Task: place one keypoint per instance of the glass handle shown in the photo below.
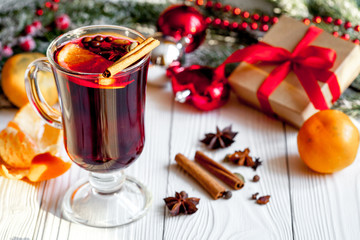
(49, 114)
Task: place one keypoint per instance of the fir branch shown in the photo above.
(349, 103)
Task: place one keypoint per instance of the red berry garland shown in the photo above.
(7, 51)
(236, 11)
(26, 41)
(347, 25)
(328, 19)
(317, 19)
(30, 30)
(338, 22)
(256, 22)
(27, 44)
(62, 22)
(39, 12)
(37, 25)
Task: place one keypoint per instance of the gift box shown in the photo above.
(290, 99)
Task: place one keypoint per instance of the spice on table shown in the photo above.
(181, 203)
(209, 183)
(227, 195)
(220, 139)
(256, 163)
(263, 200)
(254, 196)
(241, 158)
(256, 178)
(219, 171)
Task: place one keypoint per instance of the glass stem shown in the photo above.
(107, 183)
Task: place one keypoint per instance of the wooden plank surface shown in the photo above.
(303, 204)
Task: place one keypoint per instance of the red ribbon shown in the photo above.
(310, 64)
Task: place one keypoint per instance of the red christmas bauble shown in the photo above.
(199, 86)
(338, 22)
(180, 21)
(347, 25)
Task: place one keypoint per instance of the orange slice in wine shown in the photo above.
(79, 59)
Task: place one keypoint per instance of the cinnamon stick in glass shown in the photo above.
(219, 171)
(131, 57)
(213, 187)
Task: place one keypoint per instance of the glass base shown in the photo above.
(85, 204)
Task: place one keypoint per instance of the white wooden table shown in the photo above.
(303, 204)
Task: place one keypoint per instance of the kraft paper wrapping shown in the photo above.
(289, 101)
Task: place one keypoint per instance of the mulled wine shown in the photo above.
(103, 118)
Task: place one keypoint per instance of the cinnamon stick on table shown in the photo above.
(213, 187)
(219, 171)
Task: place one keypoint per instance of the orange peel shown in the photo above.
(31, 149)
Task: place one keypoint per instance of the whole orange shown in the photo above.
(328, 141)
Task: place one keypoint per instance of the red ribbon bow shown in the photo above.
(309, 63)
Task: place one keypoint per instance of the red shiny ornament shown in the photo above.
(39, 12)
(357, 28)
(255, 17)
(245, 14)
(356, 41)
(265, 19)
(57, 1)
(216, 22)
(234, 26)
(254, 26)
(347, 25)
(328, 20)
(180, 21)
(200, 86)
(264, 28)
(317, 19)
(274, 20)
(338, 22)
(62, 22)
(227, 8)
(243, 26)
(236, 11)
(306, 21)
(225, 24)
(345, 36)
(217, 6)
(208, 20)
(209, 4)
(335, 33)
(199, 2)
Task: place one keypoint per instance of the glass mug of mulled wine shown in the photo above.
(102, 119)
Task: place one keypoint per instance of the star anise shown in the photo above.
(241, 158)
(220, 139)
(181, 203)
